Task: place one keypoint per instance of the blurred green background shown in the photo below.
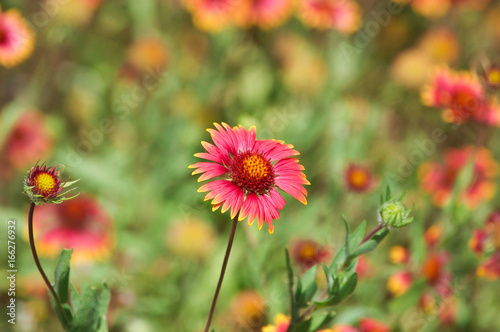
(123, 93)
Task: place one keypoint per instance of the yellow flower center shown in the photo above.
(358, 178)
(253, 172)
(45, 183)
(256, 166)
(494, 76)
(308, 252)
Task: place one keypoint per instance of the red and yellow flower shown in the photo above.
(308, 253)
(44, 185)
(341, 15)
(462, 98)
(359, 178)
(80, 223)
(399, 282)
(249, 172)
(265, 14)
(211, 15)
(439, 180)
(281, 323)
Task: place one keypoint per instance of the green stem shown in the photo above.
(39, 266)
(222, 272)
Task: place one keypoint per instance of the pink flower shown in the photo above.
(28, 140)
(439, 180)
(341, 15)
(17, 40)
(250, 171)
(462, 98)
(266, 14)
(80, 223)
(373, 325)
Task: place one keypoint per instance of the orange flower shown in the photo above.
(439, 180)
(399, 255)
(308, 253)
(17, 40)
(281, 323)
(341, 15)
(359, 178)
(147, 54)
(434, 271)
(265, 14)
(247, 311)
(211, 15)
(433, 235)
(399, 282)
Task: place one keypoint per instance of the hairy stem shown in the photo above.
(39, 266)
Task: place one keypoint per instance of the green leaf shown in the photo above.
(310, 287)
(347, 238)
(370, 244)
(348, 287)
(102, 308)
(357, 236)
(364, 248)
(62, 275)
(339, 260)
(304, 326)
(75, 297)
(329, 277)
(321, 320)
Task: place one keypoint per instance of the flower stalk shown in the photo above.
(222, 273)
(39, 266)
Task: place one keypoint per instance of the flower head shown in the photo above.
(27, 141)
(462, 98)
(247, 311)
(359, 178)
(44, 185)
(392, 212)
(490, 268)
(399, 255)
(491, 77)
(81, 224)
(250, 173)
(373, 325)
(439, 180)
(341, 15)
(211, 15)
(281, 323)
(399, 282)
(308, 253)
(17, 40)
(266, 14)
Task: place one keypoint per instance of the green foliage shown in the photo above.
(86, 312)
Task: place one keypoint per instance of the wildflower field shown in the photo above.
(249, 165)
